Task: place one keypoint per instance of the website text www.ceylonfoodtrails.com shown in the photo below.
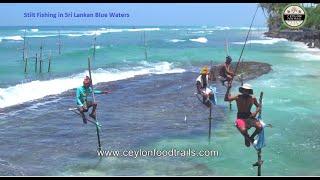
(158, 153)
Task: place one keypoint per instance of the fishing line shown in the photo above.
(235, 71)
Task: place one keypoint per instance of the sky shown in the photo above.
(136, 14)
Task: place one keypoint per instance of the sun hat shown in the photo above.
(204, 70)
(246, 87)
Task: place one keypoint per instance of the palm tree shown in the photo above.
(274, 11)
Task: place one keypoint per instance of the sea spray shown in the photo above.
(266, 41)
(200, 40)
(25, 92)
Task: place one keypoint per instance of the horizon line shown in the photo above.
(123, 25)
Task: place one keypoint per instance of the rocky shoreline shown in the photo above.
(310, 37)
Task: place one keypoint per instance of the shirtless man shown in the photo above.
(225, 73)
(245, 118)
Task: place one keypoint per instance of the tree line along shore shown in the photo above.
(309, 33)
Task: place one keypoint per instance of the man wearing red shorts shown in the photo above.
(245, 119)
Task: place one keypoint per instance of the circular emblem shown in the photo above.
(294, 16)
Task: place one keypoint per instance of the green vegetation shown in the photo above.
(274, 12)
(313, 20)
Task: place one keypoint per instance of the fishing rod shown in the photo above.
(244, 45)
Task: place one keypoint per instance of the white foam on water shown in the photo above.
(252, 28)
(77, 33)
(300, 46)
(112, 30)
(246, 28)
(85, 33)
(97, 47)
(200, 40)
(34, 30)
(216, 28)
(11, 38)
(30, 30)
(302, 52)
(198, 32)
(105, 30)
(177, 40)
(221, 28)
(25, 92)
(143, 29)
(40, 36)
(265, 41)
(74, 35)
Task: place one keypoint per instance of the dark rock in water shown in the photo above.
(308, 36)
(246, 70)
(317, 43)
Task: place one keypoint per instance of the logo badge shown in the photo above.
(294, 16)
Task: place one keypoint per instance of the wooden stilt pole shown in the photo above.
(59, 43)
(210, 119)
(36, 64)
(145, 46)
(24, 44)
(40, 68)
(25, 65)
(94, 100)
(94, 48)
(259, 151)
(41, 51)
(49, 61)
(259, 162)
(40, 61)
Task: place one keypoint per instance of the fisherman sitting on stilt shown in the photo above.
(225, 73)
(245, 119)
(83, 103)
(202, 86)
